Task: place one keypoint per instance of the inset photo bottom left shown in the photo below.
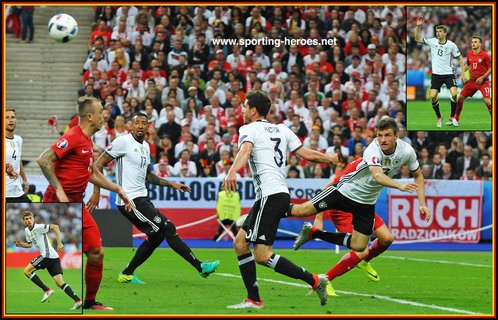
(43, 272)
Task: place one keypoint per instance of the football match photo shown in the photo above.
(280, 160)
(449, 68)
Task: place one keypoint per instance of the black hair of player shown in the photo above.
(259, 100)
(138, 114)
(385, 124)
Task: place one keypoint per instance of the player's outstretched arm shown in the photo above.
(315, 156)
(418, 38)
(98, 179)
(45, 161)
(384, 180)
(230, 181)
(155, 179)
(57, 231)
(23, 244)
(419, 180)
(462, 67)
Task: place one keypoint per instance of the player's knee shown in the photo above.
(59, 283)
(434, 97)
(460, 98)
(358, 248)
(156, 239)
(387, 241)
(168, 230)
(27, 272)
(96, 255)
(487, 101)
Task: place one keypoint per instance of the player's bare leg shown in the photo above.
(454, 106)
(379, 245)
(29, 272)
(302, 210)
(59, 281)
(435, 106)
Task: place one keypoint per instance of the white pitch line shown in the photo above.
(416, 304)
(439, 261)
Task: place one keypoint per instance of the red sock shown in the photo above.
(489, 108)
(375, 249)
(93, 276)
(348, 262)
(313, 229)
(458, 110)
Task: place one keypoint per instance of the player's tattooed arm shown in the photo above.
(152, 178)
(45, 161)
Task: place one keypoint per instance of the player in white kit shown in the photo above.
(266, 147)
(132, 155)
(36, 233)
(357, 191)
(442, 52)
(15, 191)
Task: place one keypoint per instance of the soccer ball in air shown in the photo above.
(62, 27)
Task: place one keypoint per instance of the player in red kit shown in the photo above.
(343, 221)
(479, 63)
(68, 165)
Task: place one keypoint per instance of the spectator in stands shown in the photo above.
(469, 175)
(170, 128)
(467, 160)
(456, 151)
(103, 31)
(446, 173)
(356, 138)
(481, 169)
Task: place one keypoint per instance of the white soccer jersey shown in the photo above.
(13, 150)
(132, 161)
(271, 145)
(360, 186)
(442, 55)
(38, 237)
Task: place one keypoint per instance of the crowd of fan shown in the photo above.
(65, 215)
(165, 62)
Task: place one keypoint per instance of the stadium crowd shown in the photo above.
(166, 62)
(65, 215)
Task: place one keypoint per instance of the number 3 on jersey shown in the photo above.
(280, 155)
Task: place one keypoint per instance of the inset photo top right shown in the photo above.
(449, 68)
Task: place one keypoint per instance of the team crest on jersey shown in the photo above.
(142, 150)
(375, 160)
(12, 144)
(479, 60)
(62, 144)
(387, 162)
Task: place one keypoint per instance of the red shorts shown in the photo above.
(50, 196)
(471, 88)
(343, 221)
(91, 233)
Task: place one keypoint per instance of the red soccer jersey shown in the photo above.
(479, 65)
(73, 168)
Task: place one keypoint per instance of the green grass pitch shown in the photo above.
(412, 282)
(421, 116)
(23, 296)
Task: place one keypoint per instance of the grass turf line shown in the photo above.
(174, 287)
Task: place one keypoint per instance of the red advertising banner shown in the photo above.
(456, 209)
